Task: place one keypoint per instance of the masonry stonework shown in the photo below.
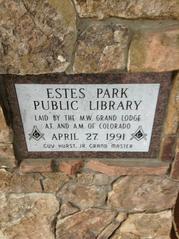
(89, 198)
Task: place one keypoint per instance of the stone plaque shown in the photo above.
(89, 115)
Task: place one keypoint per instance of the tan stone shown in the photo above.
(98, 179)
(33, 165)
(7, 163)
(154, 51)
(139, 226)
(172, 120)
(125, 236)
(7, 158)
(36, 36)
(85, 178)
(128, 9)
(143, 193)
(109, 230)
(84, 225)
(83, 196)
(5, 178)
(52, 182)
(101, 179)
(25, 183)
(101, 48)
(127, 168)
(5, 131)
(16, 183)
(27, 216)
(121, 217)
(67, 209)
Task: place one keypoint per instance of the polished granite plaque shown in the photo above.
(89, 115)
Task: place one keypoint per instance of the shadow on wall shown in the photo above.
(176, 219)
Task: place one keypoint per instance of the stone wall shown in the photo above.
(87, 205)
(88, 199)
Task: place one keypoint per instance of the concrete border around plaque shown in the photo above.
(92, 116)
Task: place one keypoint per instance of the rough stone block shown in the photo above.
(85, 224)
(111, 228)
(27, 215)
(67, 209)
(36, 165)
(52, 182)
(16, 183)
(101, 48)
(7, 158)
(146, 225)
(83, 196)
(143, 193)
(98, 179)
(155, 51)
(36, 36)
(5, 178)
(28, 183)
(128, 9)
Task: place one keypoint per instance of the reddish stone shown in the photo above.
(168, 148)
(175, 167)
(36, 165)
(70, 167)
(128, 168)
